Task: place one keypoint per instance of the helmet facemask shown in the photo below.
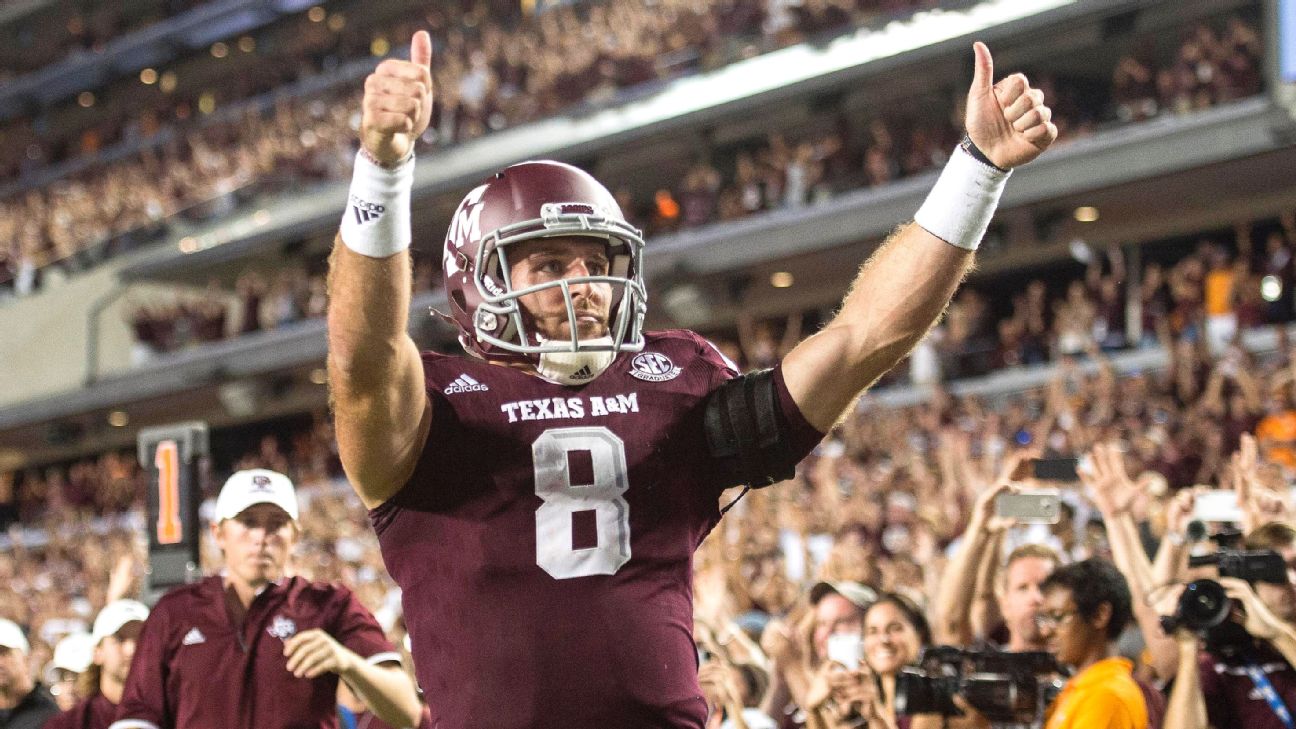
(501, 321)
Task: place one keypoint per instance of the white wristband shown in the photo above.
(376, 222)
(959, 207)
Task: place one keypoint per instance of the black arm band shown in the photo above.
(746, 433)
(970, 147)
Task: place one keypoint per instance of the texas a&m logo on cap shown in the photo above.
(653, 367)
(260, 483)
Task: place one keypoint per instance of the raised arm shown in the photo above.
(952, 608)
(376, 387)
(903, 288)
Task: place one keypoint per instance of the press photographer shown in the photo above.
(1236, 638)
(1002, 688)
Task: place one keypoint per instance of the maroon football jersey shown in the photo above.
(544, 543)
(194, 669)
(96, 712)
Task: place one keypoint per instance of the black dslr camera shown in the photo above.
(1204, 608)
(1002, 686)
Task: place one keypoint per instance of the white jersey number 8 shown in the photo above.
(555, 552)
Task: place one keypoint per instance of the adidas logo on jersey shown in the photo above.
(464, 383)
(193, 637)
(366, 211)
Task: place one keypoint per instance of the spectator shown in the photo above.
(961, 602)
(116, 629)
(1226, 684)
(24, 703)
(72, 657)
(1086, 606)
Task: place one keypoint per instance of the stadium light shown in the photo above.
(1271, 288)
(118, 419)
(219, 50)
(86, 99)
(781, 279)
(316, 14)
(1086, 214)
(148, 76)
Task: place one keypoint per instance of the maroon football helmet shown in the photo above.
(530, 200)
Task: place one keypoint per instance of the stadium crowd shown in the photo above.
(82, 27)
(485, 84)
(881, 508)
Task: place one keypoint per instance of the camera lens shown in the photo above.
(1203, 605)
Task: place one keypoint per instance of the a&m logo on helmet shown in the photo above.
(653, 367)
(465, 228)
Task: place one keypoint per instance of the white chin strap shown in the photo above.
(576, 368)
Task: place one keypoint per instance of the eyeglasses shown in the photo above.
(1053, 620)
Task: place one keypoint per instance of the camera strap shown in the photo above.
(1266, 689)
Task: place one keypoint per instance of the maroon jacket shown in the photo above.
(544, 544)
(194, 669)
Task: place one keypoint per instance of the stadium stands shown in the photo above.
(1137, 286)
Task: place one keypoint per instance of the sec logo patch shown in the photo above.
(653, 367)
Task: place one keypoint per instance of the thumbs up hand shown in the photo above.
(397, 104)
(1007, 121)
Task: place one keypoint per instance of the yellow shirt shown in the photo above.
(1103, 696)
(1219, 291)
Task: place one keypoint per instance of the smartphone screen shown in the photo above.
(1056, 469)
(1030, 507)
(846, 649)
(1216, 506)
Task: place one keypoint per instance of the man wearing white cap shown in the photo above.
(115, 632)
(73, 654)
(24, 704)
(255, 646)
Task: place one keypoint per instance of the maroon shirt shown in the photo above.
(194, 669)
(96, 712)
(572, 609)
(1232, 699)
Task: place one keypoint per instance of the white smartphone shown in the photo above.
(846, 649)
(1030, 507)
(1217, 505)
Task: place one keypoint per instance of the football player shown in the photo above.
(539, 500)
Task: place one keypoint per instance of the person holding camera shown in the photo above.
(1086, 606)
(1016, 586)
(1239, 671)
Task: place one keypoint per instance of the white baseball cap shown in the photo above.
(74, 653)
(255, 486)
(11, 636)
(116, 614)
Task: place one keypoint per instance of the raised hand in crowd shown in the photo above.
(953, 607)
(722, 693)
(1259, 498)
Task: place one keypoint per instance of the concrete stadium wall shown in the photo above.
(45, 337)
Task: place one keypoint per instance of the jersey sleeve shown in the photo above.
(357, 629)
(145, 703)
(802, 435)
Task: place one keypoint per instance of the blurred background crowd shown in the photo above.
(1168, 365)
(125, 181)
